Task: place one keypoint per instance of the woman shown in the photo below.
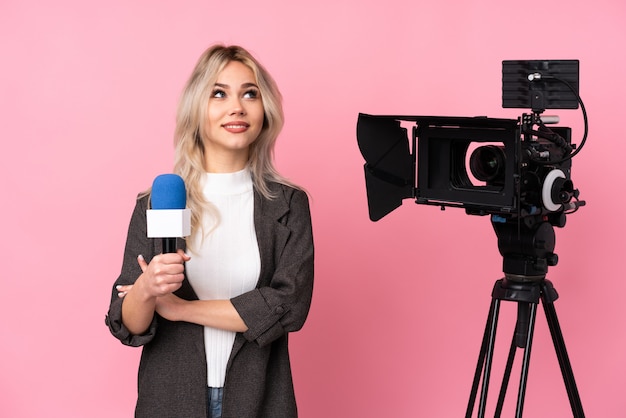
(214, 318)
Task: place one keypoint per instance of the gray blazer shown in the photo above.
(172, 379)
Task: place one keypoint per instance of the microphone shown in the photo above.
(168, 217)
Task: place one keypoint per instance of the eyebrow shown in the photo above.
(244, 85)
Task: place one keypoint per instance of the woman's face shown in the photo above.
(235, 113)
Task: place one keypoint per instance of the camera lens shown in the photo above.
(487, 163)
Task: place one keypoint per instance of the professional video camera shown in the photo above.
(518, 171)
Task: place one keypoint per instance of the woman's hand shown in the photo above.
(162, 276)
(169, 307)
(166, 306)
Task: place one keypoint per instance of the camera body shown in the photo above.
(495, 166)
(513, 169)
(484, 165)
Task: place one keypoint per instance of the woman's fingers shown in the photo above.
(122, 290)
(164, 274)
(142, 263)
(183, 255)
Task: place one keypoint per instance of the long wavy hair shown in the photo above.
(190, 131)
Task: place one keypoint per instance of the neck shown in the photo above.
(225, 163)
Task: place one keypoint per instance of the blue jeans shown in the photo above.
(215, 402)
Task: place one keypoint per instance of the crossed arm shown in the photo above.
(153, 292)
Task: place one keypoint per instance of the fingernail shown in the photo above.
(121, 294)
(140, 257)
(118, 287)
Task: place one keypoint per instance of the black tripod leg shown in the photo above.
(485, 358)
(489, 358)
(506, 377)
(480, 365)
(548, 296)
(522, 338)
(526, 362)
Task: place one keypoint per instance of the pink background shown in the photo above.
(88, 92)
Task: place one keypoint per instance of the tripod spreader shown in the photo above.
(525, 293)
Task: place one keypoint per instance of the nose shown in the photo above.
(237, 107)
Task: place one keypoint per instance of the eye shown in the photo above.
(218, 94)
(251, 94)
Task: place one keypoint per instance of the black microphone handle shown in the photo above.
(169, 245)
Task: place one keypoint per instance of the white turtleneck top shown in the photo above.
(227, 263)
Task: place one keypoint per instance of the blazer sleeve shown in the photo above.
(281, 301)
(136, 243)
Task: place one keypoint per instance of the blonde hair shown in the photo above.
(190, 130)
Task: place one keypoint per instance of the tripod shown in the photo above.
(532, 252)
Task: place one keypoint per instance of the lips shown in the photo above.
(236, 127)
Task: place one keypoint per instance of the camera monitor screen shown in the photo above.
(540, 84)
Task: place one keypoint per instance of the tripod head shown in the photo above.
(527, 247)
